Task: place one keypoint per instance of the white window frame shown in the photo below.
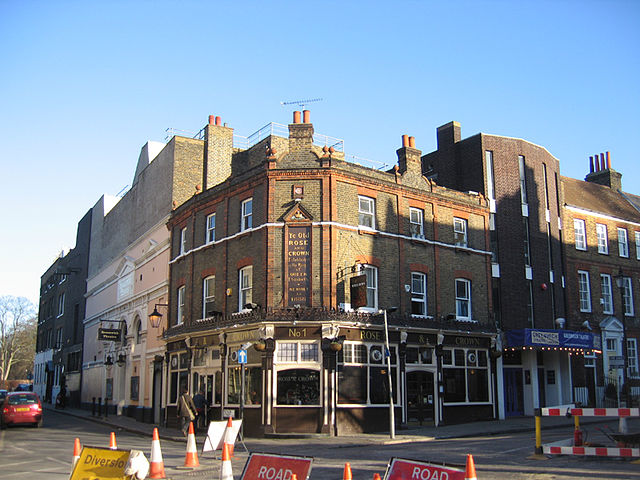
(584, 291)
(623, 243)
(611, 343)
(61, 304)
(637, 245)
(460, 238)
(246, 220)
(366, 211)
(463, 300)
(523, 180)
(603, 240)
(280, 346)
(580, 234)
(632, 357)
(205, 290)
(371, 273)
(183, 240)
(606, 293)
(245, 287)
(417, 297)
(627, 295)
(416, 219)
(211, 229)
(180, 302)
(488, 155)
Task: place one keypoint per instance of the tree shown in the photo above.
(18, 329)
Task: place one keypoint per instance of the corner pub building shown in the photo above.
(299, 258)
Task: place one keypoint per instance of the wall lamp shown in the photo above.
(121, 360)
(155, 317)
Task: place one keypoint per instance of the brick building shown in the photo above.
(521, 183)
(58, 359)
(603, 268)
(291, 254)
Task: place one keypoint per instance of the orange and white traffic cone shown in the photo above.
(226, 472)
(191, 460)
(346, 475)
(293, 477)
(156, 468)
(76, 452)
(112, 441)
(470, 472)
(376, 476)
(228, 436)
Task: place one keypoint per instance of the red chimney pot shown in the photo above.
(405, 140)
(296, 117)
(211, 119)
(306, 116)
(218, 121)
(608, 161)
(412, 142)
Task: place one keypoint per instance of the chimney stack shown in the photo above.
(301, 133)
(603, 174)
(409, 157)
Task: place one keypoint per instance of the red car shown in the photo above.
(21, 407)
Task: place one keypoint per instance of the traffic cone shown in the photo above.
(226, 473)
(228, 436)
(293, 477)
(112, 442)
(191, 460)
(156, 469)
(76, 452)
(470, 472)
(376, 476)
(346, 475)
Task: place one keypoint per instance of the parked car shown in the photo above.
(21, 408)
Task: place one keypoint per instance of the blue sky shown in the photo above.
(83, 85)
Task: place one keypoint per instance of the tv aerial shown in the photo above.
(301, 103)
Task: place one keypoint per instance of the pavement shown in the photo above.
(413, 433)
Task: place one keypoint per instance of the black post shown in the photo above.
(106, 407)
(93, 407)
(99, 406)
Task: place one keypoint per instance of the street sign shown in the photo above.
(242, 356)
(100, 464)
(267, 466)
(400, 469)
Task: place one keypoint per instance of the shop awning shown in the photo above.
(553, 339)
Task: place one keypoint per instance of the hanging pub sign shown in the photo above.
(358, 291)
(109, 334)
(298, 252)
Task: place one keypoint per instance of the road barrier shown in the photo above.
(571, 411)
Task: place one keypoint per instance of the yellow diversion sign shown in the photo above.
(100, 464)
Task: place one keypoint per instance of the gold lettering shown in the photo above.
(370, 335)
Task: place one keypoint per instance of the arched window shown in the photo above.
(137, 325)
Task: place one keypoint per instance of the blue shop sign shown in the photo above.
(529, 337)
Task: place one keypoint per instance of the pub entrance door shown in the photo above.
(420, 396)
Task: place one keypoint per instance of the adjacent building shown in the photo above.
(521, 182)
(603, 268)
(60, 333)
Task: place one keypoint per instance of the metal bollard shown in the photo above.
(538, 432)
(93, 407)
(99, 406)
(106, 407)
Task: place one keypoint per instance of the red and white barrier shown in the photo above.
(592, 451)
(591, 412)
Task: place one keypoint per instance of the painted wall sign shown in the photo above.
(358, 286)
(298, 262)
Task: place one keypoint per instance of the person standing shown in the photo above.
(186, 410)
(200, 403)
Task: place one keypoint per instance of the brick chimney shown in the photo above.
(600, 172)
(448, 134)
(301, 133)
(218, 152)
(409, 157)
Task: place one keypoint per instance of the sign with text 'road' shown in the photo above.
(264, 466)
(402, 469)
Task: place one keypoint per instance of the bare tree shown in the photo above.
(17, 333)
